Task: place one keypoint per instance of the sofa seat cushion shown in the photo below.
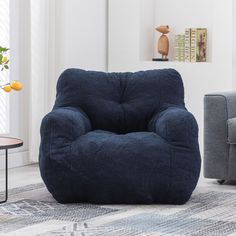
(138, 167)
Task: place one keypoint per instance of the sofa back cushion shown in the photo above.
(120, 102)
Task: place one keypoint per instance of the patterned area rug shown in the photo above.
(32, 211)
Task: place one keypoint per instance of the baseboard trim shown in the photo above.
(15, 159)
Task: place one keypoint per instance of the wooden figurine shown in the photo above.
(163, 43)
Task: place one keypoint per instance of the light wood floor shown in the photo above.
(20, 176)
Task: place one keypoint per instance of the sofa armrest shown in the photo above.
(177, 126)
(58, 130)
(231, 130)
(65, 122)
(218, 108)
(228, 99)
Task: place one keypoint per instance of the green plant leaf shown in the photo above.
(2, 49)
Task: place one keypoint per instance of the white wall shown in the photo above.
(81, 34)
(146, 35)
(234, 43)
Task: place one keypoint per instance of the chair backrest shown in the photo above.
(120, 102)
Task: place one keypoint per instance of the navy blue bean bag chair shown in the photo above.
(120, 138)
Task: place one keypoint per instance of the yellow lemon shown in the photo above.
(7, 88)
(16, 85)
(4, 59)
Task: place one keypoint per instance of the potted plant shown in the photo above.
(4, 65)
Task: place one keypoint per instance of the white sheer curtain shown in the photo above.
(4, 76)
(42, 38)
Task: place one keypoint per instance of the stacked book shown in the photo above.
(193, 49)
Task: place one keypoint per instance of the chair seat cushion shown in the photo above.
(138, 167)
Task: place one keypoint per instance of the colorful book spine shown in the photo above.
(187, 51)
(201, 45)
(179, 47)
(193, 49)
(198, 44)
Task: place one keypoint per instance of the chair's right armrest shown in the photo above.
(218, 108)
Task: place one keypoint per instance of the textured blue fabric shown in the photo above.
(120, 138)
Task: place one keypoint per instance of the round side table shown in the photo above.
(5, 144)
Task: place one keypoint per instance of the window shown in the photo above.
(4, 76)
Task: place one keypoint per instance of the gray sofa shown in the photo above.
(220, 136)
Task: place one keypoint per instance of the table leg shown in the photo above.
(6, 177)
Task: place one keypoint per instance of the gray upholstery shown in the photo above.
(220, 135)
(232, 131)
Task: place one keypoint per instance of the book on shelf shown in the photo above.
(180, 47)
(187, 51)
(198, 44)
(191, 47)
